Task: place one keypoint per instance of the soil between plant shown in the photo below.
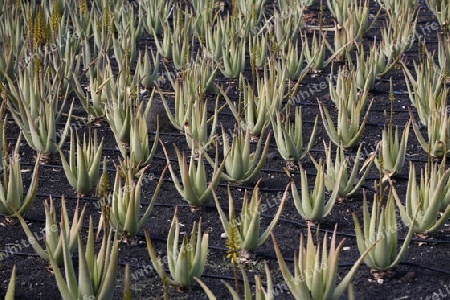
(418, 277)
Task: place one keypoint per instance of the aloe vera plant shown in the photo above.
(201, 75)
(257, 109)
(187, 261)
(139, 154)
(93, 100)
(285, 29)
(315, 51)
(392, 150)
(54, 237)
(289, 136)
(292, 62)
(193, 186)
(398, 34)
(83, 166)
(438, 131)
(261, 292)
(13, 200)
(348, 184)
(441, 9)
(347, 91)
(349, 128)
(426, 91)
(195, 126)
(366, 67)
(96, 273)
(316, 269)
(33, 103)
(148, 72)
(313, 206)
(444, 53)
(257, 47)
(423, 202)
(249, 237)
(381, 224)
(233, 58)
(184, 99)
(241, 166)
(125, 203)
(154, 14)
(215, 37)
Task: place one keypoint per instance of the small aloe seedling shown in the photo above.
(249, 237)
(316, 269)
(96, 273)
(314, 206)
(423, 202)
(54, 239)
(187, 261)
(349, 128)
(125, 203)
(347, 185)
(83, 167)
(241, 166)
(139, 154)
(12, 198)
(380, 225)
(193, 186)
(289, 136)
